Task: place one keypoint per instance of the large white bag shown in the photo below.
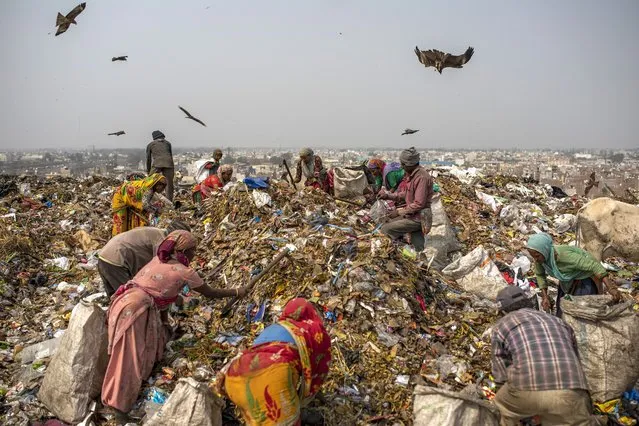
(477, 273)
(74, 376)
(191, 404)
(436, 407)
(607, 337)
(348, 184)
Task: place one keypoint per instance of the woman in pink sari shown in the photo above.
(138, 316)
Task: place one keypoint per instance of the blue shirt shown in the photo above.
(274, 333)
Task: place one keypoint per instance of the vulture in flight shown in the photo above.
(189, 116)
(119, 58)
(409, 132)
(118, 133)
(64, 22)
(441, 60)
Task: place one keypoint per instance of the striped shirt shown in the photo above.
(535, 351)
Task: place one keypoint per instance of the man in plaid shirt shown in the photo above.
(534, 356)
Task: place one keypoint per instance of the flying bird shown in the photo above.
(64, 22)
(409, 132)
(189, 116)
(441, 60)
(118, 133)
(119, 58)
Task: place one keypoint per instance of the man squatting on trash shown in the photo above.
(534, 356)
(125, 254)
(415, 217)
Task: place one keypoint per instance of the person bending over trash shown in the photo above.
(387, 175)
(137, 319)
(578, 272)
(283, 370)
(415, 217)
(310, 165)
(134, 202)
(125, 254)
(212, 183)
(535, 359)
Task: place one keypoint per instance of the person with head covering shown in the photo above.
(310, 166)
(536, 365)
(578, 272)
(138, 322)
(134, 202)
(282, 371)
(124, 255)
(213, 183)
(415, 216)
(387, 175)
(159, 159)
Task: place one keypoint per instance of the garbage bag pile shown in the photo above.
(395, 321)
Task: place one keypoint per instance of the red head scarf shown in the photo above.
(376, 163)
(308, 327)
(175, 244)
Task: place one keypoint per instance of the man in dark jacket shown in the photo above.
(159, 159)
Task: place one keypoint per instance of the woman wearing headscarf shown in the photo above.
(213, 183)
(578, 272)
(137, 318)
(283, 370)
(310, 166)
(387, 175)
(134, 202)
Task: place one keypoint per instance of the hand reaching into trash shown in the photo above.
(382, 194)
(220, 293)
(545, 303)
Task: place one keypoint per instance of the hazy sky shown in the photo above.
(278, 73)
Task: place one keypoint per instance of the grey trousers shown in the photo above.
(397, 227)
(570, 407)
(169, 173)
(112, 276)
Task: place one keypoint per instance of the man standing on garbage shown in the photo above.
(535, 359)
(159, 159)
(126, 253)
(415, 217)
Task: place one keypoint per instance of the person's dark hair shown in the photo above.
(177, 225)
(512, 298)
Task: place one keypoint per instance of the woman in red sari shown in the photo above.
(212, 183)
(138, 318)
(283, 370)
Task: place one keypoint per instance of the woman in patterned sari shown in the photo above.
(138, 318)
(283, 370)
(212, 183)
(133, 202)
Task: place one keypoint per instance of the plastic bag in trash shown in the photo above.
(379, 211)
(191, 403)
(261, 199)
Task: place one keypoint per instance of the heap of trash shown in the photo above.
(403, 325)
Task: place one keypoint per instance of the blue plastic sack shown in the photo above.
(256, 182)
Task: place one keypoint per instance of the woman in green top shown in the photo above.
(578, 272)
(386, 175)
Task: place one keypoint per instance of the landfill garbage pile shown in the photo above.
(395, 321)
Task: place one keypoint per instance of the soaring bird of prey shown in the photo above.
(409, 132)
(189, 116)
(64, 22)
(441, 60)
(118, 133)
(119, 58)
